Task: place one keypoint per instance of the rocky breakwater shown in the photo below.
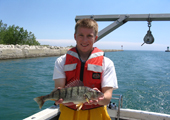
(26, 51)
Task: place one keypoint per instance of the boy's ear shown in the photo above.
(75, 36)
(96, 38)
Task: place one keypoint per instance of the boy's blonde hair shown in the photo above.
(87, 23)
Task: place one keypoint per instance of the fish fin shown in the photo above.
(39, 101)
(79, 106)
(86, 97)
(74, 83)
(87, 100)
(54, 89)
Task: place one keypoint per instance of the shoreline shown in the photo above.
(26, 51)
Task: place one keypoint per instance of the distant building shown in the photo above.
(121, 47)
(167, 49)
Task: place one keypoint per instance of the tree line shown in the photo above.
(16, 35)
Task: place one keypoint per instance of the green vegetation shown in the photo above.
(71, 46)
(16, 35)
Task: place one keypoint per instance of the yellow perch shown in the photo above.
(78, 95)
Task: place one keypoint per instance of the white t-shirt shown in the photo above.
(109, 78)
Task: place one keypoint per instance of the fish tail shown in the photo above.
(39, 101)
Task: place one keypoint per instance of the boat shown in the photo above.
(115, 112)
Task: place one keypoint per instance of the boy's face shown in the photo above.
(85, 38)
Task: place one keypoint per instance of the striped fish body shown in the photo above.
(71, 94)
(77, 95)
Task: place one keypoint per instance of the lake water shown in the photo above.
(143, 79)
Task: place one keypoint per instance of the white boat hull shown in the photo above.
(125, 114)
(138, 115)
(46, 114)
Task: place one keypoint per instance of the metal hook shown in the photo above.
(148, 39)
(149, 22)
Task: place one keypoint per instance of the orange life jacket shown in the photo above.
(90, 74)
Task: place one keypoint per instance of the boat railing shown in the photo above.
(118, 97)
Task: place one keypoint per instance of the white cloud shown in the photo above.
(129, 45)
(106, 44)
(57, 42)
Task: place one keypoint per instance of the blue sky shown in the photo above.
(53, 21)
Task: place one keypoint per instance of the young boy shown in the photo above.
(87, 64)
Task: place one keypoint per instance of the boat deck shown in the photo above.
(116, 113)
